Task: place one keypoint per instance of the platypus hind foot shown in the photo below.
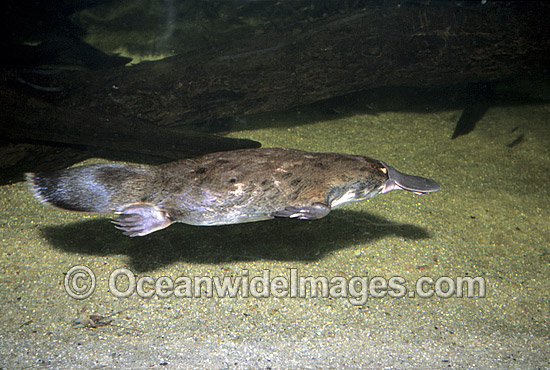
(139, 219)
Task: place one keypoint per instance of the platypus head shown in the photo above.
(399, 180)
(371, 178)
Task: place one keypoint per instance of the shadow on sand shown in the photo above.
(280, 239)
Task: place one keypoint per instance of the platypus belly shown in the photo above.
(223, 188)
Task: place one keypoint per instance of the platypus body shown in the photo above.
(222, 188)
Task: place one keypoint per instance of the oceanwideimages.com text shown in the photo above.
(80, 283)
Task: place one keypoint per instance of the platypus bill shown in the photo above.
(222, 188)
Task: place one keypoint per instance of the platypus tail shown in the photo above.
(102, 188)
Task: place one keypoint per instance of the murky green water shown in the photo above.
(489, 221)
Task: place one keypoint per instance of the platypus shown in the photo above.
(222, 188)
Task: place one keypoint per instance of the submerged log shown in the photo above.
(31, 119)
(384, 46)
(411, 45)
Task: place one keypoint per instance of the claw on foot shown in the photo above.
(139, 219)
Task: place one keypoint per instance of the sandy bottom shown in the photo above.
(490, 220)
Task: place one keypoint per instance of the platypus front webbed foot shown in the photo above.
(312, 212)
(139, 219)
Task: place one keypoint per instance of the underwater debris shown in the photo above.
(92, 321)
(516, 141)
(84, 320)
